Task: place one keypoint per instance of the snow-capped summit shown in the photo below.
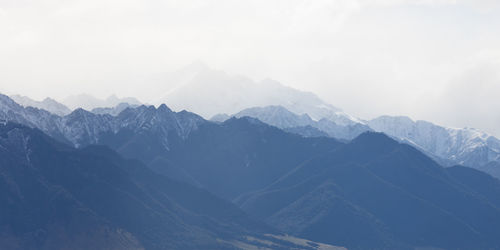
(277, 116)
(210, 92)
(6, 104)
(303, 124)
(82, 127)
(450, 146)
(466, 146)
(30, 116)
(48, 104)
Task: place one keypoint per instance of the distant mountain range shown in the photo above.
(297, 112)
(217, 95)
(48, 104)
(81, 127)
(111, 105)
(89, 102)
(466, 146)
(301, 124)
(114, 111)
(449, 146)
(209, 92)
(371, 192)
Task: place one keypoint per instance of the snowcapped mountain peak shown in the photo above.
(213, 92)
(277, 116)
(302, 124)
(343, 118)
(6, 103)
(466, 146)
(48, 104)
(393, 119)
(82, 127)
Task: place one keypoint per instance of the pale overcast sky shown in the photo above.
(430, 59)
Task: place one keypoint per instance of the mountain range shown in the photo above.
(48, 104)
(465, 146)
(89, 102)
(58, 197)
(370, 192)
(377, 193)
(302, 124)
(208, 92)
(81, 127)
(449, 146)
(112, 105)
(217, 95)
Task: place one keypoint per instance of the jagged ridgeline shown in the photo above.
(240, 183)
(57, 197)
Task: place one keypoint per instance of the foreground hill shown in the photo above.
(57, 197)
(391, 192)
(243, 155)
(370, 193)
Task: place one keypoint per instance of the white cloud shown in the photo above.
(470, 99)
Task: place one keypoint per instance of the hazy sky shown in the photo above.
(429, 59)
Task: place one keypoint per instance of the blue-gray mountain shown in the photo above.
(370, 193)
(56, 197)
(301, 124)
(344, 194)
(81, 127)
(449, 146)
(225, 93)
(374, 191)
